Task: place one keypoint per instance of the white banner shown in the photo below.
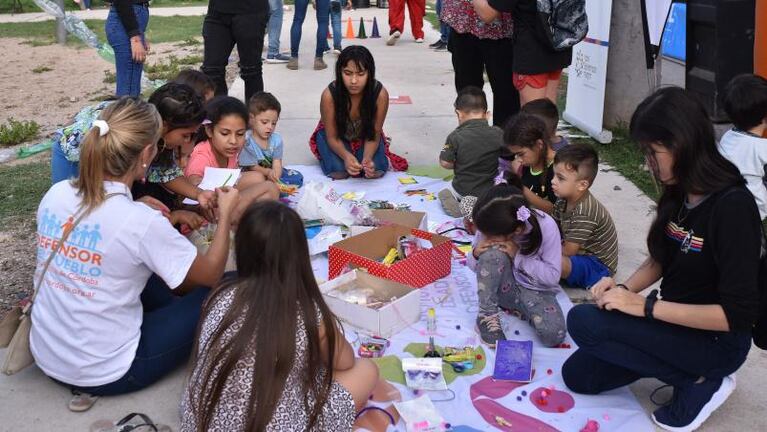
(588, 73)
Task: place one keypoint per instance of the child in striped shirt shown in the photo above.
(589, 239)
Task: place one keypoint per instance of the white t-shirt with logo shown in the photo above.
(86, 321)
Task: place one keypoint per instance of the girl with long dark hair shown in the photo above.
(527, 139)
(704, 249)
(271, 355)
(349, 140)
(517, 258)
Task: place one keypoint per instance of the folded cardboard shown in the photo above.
(386, 321)
(410, 219)
(365, 250)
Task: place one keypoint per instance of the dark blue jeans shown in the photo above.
(444, 29)
(128, 72)
(323, 14)
(330, 162)
(168, 333)
(615, 349)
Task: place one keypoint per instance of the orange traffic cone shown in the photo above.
(349, 29)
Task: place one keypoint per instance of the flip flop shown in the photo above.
(81, 402)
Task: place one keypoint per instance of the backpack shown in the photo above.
(564, 21)
(759, 331)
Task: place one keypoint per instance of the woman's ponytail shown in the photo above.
(112, 147)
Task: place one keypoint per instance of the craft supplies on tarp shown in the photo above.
(372, 347)
(406, 218)
(202, 239)
(424, 373)
(514, 361)
(420, 415)
(371, 304)
(367, 249)
(320, 238)
(320, 201)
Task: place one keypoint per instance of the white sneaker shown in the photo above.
(419, 40)
(393, 38)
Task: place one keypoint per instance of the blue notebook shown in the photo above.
(514, 361)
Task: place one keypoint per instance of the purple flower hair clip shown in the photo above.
(523, 214)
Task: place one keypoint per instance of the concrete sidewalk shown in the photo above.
(30, 401)
(102, 14)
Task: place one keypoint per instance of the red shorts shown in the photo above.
(536, 81)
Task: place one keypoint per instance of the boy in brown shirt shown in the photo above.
(589, 239)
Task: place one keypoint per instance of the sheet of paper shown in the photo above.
(215, 178)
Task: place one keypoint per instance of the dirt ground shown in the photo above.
(51, 98)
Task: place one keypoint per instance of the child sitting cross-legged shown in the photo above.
(225, 126)
(517, 257)
(590, 242)
(263, 146)
(270, 354)
(472, 150)
(527, 138)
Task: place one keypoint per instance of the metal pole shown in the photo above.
(61, 31)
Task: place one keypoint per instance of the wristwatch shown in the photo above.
(649, 304)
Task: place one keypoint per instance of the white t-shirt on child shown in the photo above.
(749, 153)
(86, 321)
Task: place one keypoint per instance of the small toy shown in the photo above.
(524, 393)
(308, 223)
(519, 398)
(431, 351)
(372, 347)
(407, 180)
(502, 421)
(591, 426)
(549, 371)
(287, 189)
(390, 257)
(453, 354)
(431, 321)
(406, 246)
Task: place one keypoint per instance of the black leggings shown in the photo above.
(472, 56)
(221, 32)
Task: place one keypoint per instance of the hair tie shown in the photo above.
(206, 122)
(523, 214)
(102, 125)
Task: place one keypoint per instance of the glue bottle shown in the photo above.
(431, 321)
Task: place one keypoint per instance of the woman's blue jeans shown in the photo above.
(168, 334)
(323, 12)
(274, 26)
(128, 72)
(330, 162)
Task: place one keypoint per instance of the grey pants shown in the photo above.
(496, 287)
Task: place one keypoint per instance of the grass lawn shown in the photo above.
(161, 29)
(21, 189)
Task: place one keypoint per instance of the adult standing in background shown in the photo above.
(477, 47)
(444, 31)
(417, 9)
(230, 22)
(322, 11)
(537, 65)
(274, 27)
(125, 28)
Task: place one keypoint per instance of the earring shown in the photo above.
(143, 165)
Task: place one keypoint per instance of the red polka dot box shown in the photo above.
(365, 250)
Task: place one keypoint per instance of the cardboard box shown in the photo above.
(410, 219)
(384, 322)
(366, 249)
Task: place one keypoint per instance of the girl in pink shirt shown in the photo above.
(225, 126)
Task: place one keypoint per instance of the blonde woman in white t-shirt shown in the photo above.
(105, 320)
